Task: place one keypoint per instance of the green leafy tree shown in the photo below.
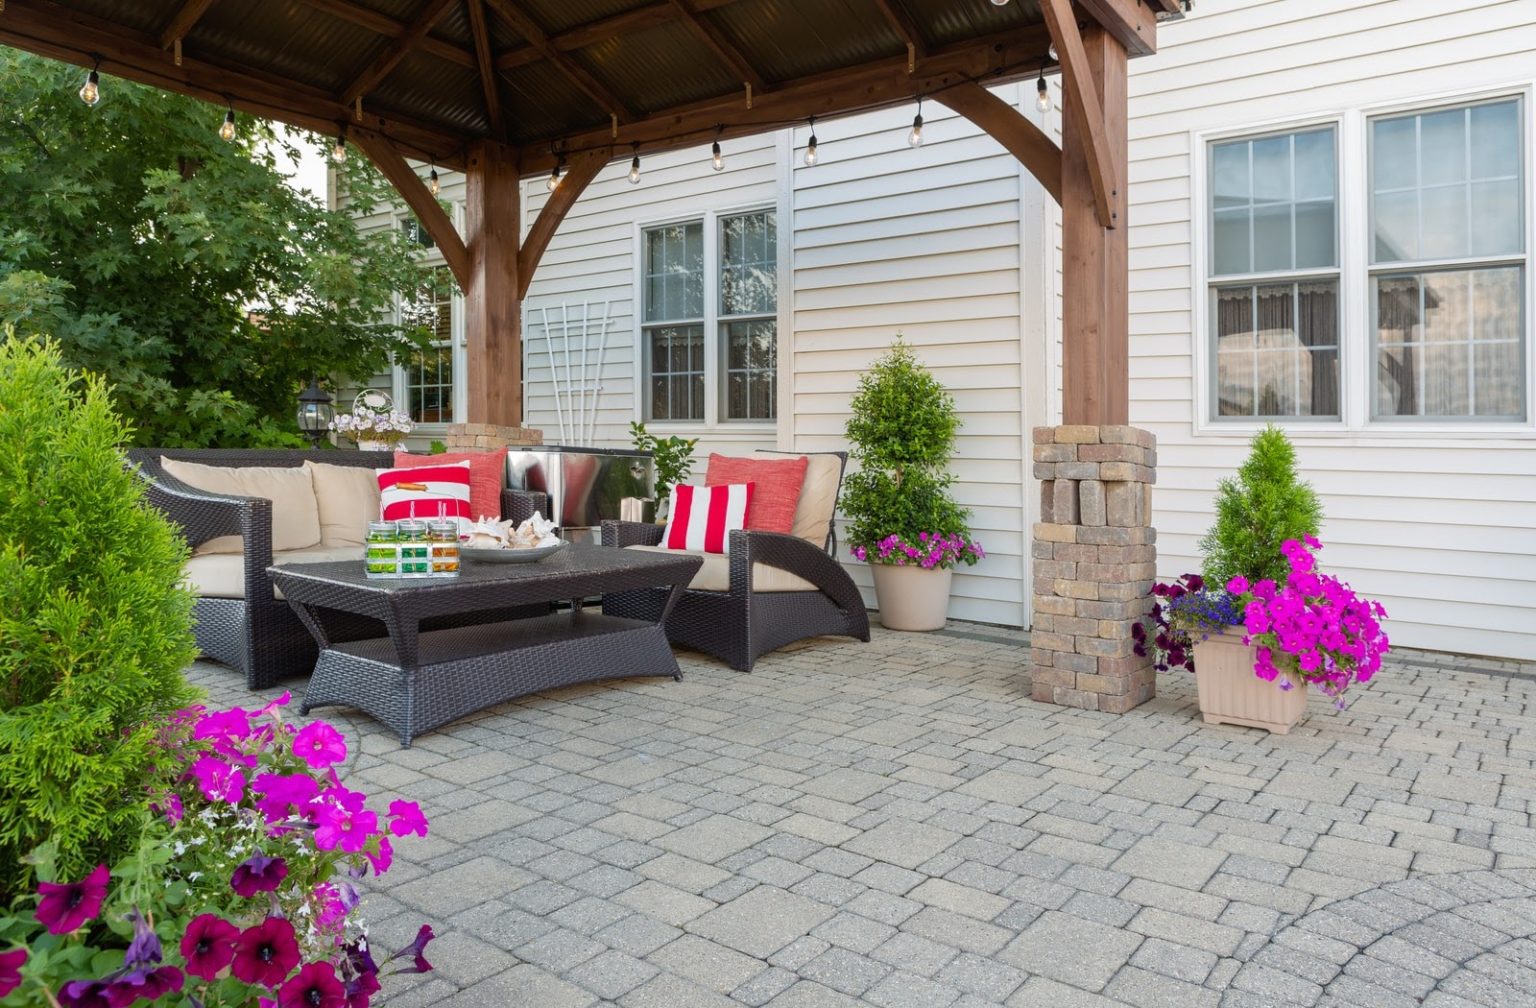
(671, 456)
(902, 434)
(183, 267)
(96, 627)
(1265, 504)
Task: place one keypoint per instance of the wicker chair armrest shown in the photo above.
(794, 555)
(518, 506)
(201, 515)
(625, 533)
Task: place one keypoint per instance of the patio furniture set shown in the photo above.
(276, 597)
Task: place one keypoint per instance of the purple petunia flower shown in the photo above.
(64, 907)
(209, 945)
(10, 970)
(265, 953)
(314, 986)
(143, 985)
(145, 948)
(258, 874)
(320, 745)
(84, 994)
(417, 951)
(405, 817)
(218, 780)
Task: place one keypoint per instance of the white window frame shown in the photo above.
(1356, 367)
(714, 364)
(400, 382)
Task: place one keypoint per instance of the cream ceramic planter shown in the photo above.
(910, 597)
(370, 444)
(1231, 694)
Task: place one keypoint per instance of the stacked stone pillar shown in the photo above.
(479, 436)
(1095, 558)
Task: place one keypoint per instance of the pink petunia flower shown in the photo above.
(320, 745)
(218, 780)
(10, 969)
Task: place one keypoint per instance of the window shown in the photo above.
(427, 375)
(1275, 275)
(710, 319)
(1448, 263)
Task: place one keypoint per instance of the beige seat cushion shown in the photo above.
(818, 496)
(715, 575)
(295, 513)
(222, 575)
(348, 497)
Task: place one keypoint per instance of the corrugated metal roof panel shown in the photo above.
(556, 16)
(629, 63)
(544, 103)
(433, 90)
(138, 15)
(287, 40)
(945, 22)
(785, 39)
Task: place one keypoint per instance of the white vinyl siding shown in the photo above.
(1435, 518)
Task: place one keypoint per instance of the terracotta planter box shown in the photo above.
(910, 597)
(1231, 694)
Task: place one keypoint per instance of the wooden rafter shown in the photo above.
(397, 51)
(366, 17)
(1020, 137)
(878, 84)
(900, 20)
(419, 198)
(579, 174)
(581, 36)
(182, 21)
(60, 33)
(487, 68)
(722, 46)
(528, 29)
(1083, 106)
(1128, 21)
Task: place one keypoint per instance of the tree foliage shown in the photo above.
(183, 267)
(1265, 504)
(95, 629)
(901, 432)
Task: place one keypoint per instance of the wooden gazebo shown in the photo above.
(504, 89)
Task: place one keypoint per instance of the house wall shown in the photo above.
(1439, 522)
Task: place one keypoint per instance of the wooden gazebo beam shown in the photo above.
(419, 198)
(487, 67)
(1084, 109)
(182, 21)
(573, 71)
(1023, 139)
(367, 17)
(580, 173)
(720, 45)
(397, 51)
(583, 35)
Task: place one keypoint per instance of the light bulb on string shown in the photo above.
(90, 91)
(1042, 93)
(227, 128)
(553, 182)
(433, 185)
(716, 159)
(810, 146)
(999, 3)
(634, 165)
(915, 138)
(339, 152)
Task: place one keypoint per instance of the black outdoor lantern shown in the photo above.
(315, 413)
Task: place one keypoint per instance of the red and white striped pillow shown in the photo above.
(702, 518)
(425, 492)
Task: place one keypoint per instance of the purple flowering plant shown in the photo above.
(1183, 612)
(241, 893)
(933, 550)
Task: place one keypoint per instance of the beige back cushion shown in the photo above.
(818, 496)
(348, 497)
(295, 513)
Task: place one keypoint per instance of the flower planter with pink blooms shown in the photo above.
(241, 893)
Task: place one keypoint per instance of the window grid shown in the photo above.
(428, 373)
(674, 316)
(749, 315)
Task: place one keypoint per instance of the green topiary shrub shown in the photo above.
(94, 629)
(901, 432)
(1257, 511)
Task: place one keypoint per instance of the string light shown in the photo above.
(999, 3)
(90, 91)
(339, 152)
(227, 130)
(810, 146)
(915, 138)
(634, 165)
(433, 185)
(1042, 92)
(554, 174)
(716, 158)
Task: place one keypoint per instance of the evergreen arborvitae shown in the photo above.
(95, 628)
(1257, 511)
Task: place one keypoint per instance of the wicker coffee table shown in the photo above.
(415, 680)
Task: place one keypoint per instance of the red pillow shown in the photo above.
(426, 492)
(485, 476)
(777, 483)
(703, 517)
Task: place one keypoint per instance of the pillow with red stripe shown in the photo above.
(702, 518)
(425, 492)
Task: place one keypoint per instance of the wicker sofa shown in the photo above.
(240, 620)
(769, 590)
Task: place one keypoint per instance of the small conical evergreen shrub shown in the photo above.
(1258, 510)
(94, 627)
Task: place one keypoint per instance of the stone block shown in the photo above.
(1044, 435)
(1125, 667)
(1055, 453)
(1076, 552)
(1122, 703)
(1077, 434)
(1090, 502)
(1044, 585)
(1124, 592)
(1114, 685)
(1076, 589)
(1042, 550)
(1053, 677)
(1076, 626)
(1041, 693)
(1044, 623)
(1055, 531)
(1123, 505)
(1111, 629)
(1077, 470)
(1112, 535)
(1050, 641)
(1097, 647)
(1064, 501)
(1056, 569)
(1104, 573)
(1102, 610)
(1047, 498)
(1077, 663)
(1129, 471)
(1045, 470)
(1120, 434)
(1054, 605)
(1065, 697)
(1114, 453)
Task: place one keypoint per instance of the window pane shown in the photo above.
(1443, 147)
(677, 359)
(1315, 234)
(748, 265)
(1273, 204)
(1277, 350)
(1496, 141)
(1272, 169)
(429, 373)
(1230, 251)
(751, 354)
(674, 272)
(1443, 233)
(1397, 227)
(1394, 154)
(1272, 237)
(1229, 175)
(1497, 218)
(1449, 344)
(1315, 169)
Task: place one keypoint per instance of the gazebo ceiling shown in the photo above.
(548, 76)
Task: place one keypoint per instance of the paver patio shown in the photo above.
(896, 824)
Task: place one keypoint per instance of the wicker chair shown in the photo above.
(738, 625)
(258, 634)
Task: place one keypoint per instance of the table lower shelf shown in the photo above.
(465, 669)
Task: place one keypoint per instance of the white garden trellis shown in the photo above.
(575, 342)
